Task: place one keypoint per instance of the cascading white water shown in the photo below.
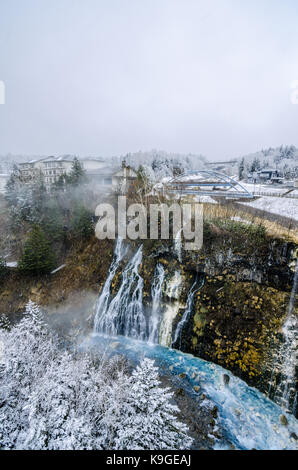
(125, 314)
(286, 394)
(256, 423)
(178, 245)
(104, 298)
(156, 293)
(171, 309)
(185, 318)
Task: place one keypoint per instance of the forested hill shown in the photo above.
(283, 158)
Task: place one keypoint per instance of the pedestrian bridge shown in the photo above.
(207, 183)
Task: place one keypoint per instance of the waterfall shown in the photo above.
(171, 309)
(286, 394)
(156, 293)
(125, 314)
(249, 419)
(178, 245)
(104, 298)
(187, 313)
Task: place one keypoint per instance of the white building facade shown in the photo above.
(102, 176)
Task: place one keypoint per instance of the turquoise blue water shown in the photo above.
(248, 418)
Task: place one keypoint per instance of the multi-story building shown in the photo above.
(103, 176)
(54, 167)
(51, 168)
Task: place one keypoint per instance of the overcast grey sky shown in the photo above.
(106, 77)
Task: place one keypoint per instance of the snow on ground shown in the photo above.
(2, 359)
(205, 200)
(276, 205)
(12, 264)
(264, 188)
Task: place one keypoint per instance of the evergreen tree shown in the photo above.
(13, 185)
(37, 257)
(178, 171)
(77, 174)
(38, 193)
(82, 222)
(3, 269)
(26, 201)
(148, 419)
(241, 169)
(53, 399)
(255, 166)
(4, 322)
(33, 312)
(55, 421)
(29, 350)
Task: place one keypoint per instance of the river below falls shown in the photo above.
(248, 419)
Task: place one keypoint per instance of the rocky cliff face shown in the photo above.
(238, 308)
(242, 304)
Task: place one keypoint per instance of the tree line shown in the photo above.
(50, 220)
(54, 399)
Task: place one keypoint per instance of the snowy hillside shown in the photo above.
(277, 205)
(283, 158)
(164, 164)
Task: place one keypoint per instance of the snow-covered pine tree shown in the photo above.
(33, 312)
(50, 399)
(4, 322)
(55, 421)
(117, 405)
(68, 405)
(256, 165)
(241, 169)
(28, 350)
(13, 185)
(146, 417)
